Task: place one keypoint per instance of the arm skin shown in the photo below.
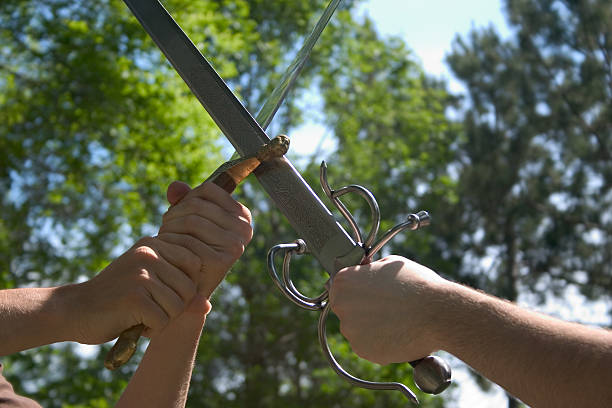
(34, 316)
(395, 310)
(200, 238)
(163, 376)
(203, 234)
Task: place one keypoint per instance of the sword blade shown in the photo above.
(276, 98)
(313, 222)
(231, 117)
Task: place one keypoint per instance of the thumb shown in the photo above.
(199, 305)
(176, 191)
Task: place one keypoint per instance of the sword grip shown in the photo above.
(124, 347)
(228, 178)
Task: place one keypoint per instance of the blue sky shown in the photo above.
(429, 26)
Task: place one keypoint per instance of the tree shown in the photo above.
(279, 363)
(94, 126)
(535, 172)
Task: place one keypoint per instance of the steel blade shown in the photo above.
(313, 222)
(277, 96)
(229, 114)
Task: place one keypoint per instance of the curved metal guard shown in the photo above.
(286, 285)
(350, 378)
(334, 195)
(431, 374)
(413, 222)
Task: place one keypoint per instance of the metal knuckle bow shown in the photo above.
(432, 374)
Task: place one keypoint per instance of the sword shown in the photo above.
(321, 233)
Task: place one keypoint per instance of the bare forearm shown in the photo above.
(543, 361)
(162, 378)
(31, 317)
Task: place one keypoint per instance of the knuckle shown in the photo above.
(245, 213)
(339, 280)
(165, 216)
(246, 233)
(225, 259)
(144, 251)
(191, 291)
(192, 205)
(193, 262)
(143, 277)
(235, 250)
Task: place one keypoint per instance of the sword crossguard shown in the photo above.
(432, 374)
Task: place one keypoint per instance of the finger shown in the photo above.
(176, 191)
(152, 315)
(194, 315)
(210, 279)
(175, 279)
(194, 245)
(180, 255)
(212, 212)
(203, 229)
(212, 192)
(335, 304)
(164, 296)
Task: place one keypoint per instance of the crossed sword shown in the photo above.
(321, 234)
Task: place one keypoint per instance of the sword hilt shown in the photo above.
(431, 374)
(227, 176)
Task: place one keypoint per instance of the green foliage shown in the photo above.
(94, 126)
(535, 167)
(392, 132)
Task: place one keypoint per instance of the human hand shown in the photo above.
(388, 309)
(202, 235)
(220, 225)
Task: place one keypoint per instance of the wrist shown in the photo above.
(461, 312)
(64, 306)
(440, 308)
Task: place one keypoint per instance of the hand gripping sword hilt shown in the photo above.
(358, 382)
(285, 285)
(431, 374)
